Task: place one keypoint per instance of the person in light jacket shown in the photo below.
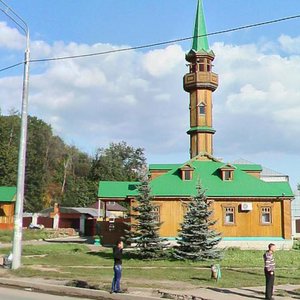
(269, 269)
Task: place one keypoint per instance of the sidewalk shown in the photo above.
(59, 288)
(287, 292)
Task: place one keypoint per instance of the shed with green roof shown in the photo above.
(7, 206)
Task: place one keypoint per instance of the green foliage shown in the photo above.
(296, 245)
(9, 136)
(144, 229)
(57, 172)
(197, 240)
(118, 162)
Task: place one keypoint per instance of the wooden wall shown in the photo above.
(247, 223)
(287, 219)
(7, 216)
(171, 215)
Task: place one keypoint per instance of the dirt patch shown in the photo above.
(43, 268)
(156, 284)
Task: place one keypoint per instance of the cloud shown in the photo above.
(258, 99)
(162, 62)
(11, 38)
(138, 96)
(289, 44)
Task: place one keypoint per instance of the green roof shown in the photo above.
(7, 194)
(117, 189)
(200, 41)
(208, 173)
(249, 167)
(163, 166)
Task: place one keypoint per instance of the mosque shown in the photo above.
(252, 204)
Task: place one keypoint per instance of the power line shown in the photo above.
(158, 43)
(12, 66)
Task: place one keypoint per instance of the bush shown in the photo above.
(296, 245)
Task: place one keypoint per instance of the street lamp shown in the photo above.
(18, 220)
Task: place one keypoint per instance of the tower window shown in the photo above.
(201, 64)
(201, 67)
(193, 68)
(202, 109)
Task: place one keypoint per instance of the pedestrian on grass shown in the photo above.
(269, 271)
(117, 254)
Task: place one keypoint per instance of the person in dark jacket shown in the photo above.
(269, 271)
(117, 254)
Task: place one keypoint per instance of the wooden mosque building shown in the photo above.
(251, 205)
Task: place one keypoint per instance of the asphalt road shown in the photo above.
(15, 294)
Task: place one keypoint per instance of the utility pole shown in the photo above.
(18, 219)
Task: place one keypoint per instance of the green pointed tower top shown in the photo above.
(200, 43)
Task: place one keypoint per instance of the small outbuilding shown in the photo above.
(7, 206)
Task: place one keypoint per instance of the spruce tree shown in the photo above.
(144, 234)
(197, 240)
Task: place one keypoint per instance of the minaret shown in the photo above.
(200, 82)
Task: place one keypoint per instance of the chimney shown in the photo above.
(56, 209)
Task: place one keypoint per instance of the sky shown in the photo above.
(138, 97)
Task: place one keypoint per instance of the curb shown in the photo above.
(68, 291)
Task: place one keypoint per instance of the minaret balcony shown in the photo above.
(200, 80)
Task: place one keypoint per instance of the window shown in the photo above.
(266, 217)
(227, 175)
(201, 63)
(193, 68)
(187, 175)
(156, 212)
(227, 172)
(229, 217)
(208, 67)
(202, 109)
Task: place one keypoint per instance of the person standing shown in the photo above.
(269, 271)
(117, 254)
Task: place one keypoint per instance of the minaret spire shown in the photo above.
(200, 82)
(200, 41)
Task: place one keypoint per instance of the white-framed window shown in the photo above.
(266, 215)
(229, 215)
(156, 212)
